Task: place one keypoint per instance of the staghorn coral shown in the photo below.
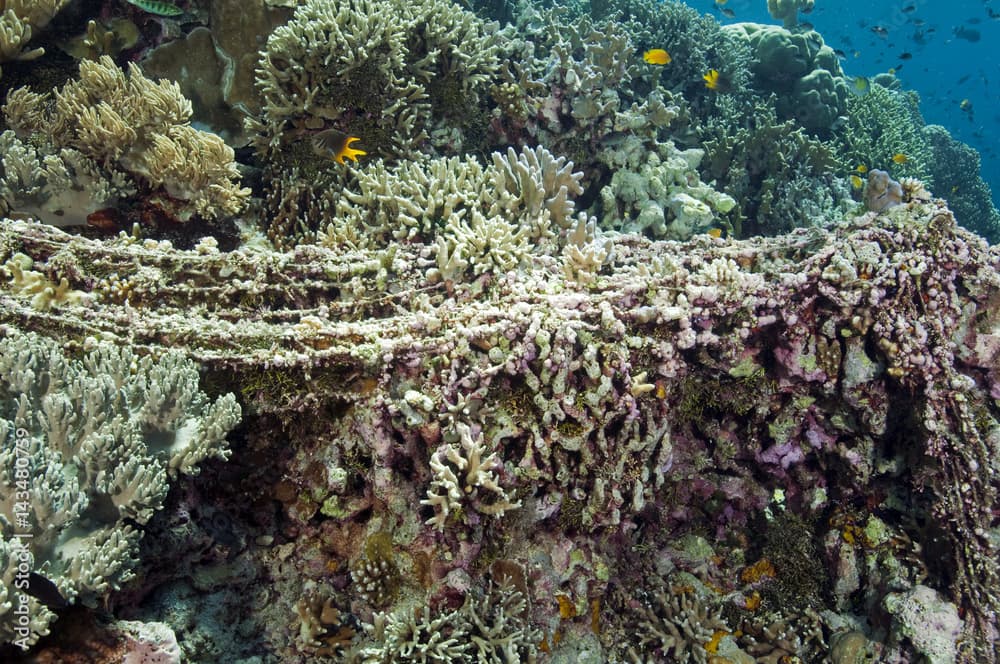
(128, 126)
(781, 178)
(88, 448)
(954, 168)
(695, 41)
(461, 205)
(395, 74)
(489, 628)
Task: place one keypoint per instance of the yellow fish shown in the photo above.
(861, 169)
(715, 232)
(900, 158)
(857, 182)
(657, 56)
(721, 2)
(711, 79)
(861, 86)
(337, 145)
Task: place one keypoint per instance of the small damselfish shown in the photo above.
(157, 7)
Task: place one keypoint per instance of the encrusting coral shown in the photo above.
(113, 132)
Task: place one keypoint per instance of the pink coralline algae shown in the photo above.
(823, 390)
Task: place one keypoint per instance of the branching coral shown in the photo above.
(489, 628)
(486, 212)
(954, 168)
(588, 395)
(465, 479)
(133, 128)
(394, 74)
(781, 177)
(88, 448)
(885, 123)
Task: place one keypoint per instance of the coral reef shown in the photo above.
(400, 75)
(215, 68)
(662, 196)
(787, 11)
(885, 123)
(574, 358)
(690, 386)
(103, 136)
(88, 448)
(781, 177)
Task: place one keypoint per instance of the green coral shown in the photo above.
(802, 71)
(954, 169)
(885, 123)
(781, 177)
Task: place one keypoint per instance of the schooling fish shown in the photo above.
(657, 56)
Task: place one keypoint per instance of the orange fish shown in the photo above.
(657, 56)
(337, 145)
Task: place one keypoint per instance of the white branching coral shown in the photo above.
(530, 191)
(60, 187)
(489, 628)
(43, 292)
(135, 127)
(465, 479)
(88, 446)
(484, 244)
(534, 181)
(585, 251)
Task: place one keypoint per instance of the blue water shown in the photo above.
(945, 67)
